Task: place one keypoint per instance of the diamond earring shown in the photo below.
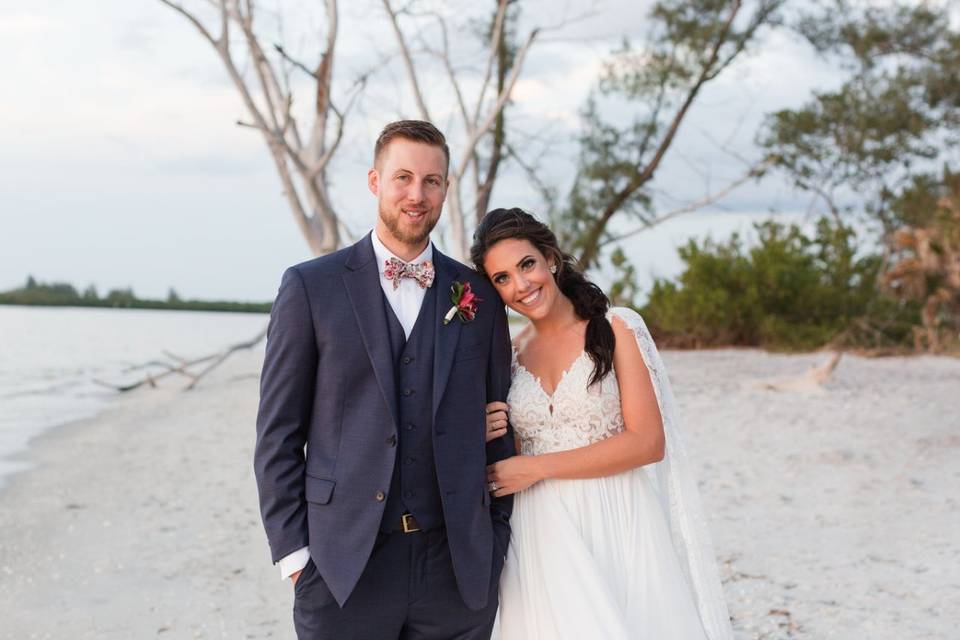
(553, 269)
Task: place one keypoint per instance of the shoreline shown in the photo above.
(51, 366)
(22, 460)
(105, 538)
(831, 514)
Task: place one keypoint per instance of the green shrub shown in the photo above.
(788, 291)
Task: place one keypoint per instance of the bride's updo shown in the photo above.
(589, 301)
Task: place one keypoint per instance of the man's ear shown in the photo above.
(373, 181)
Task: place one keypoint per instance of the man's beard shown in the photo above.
(397, 231)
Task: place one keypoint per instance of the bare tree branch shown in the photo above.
(484, 188)
(444, 56)
(457, 226)
(322, 162)
(827, 198)
(592, 239)
(545, 190)
(269, 86)
(495, 37)
(317, 220)
(296, 63)
(194, 21)
(482, 128)
(408, 62)
(755, 172)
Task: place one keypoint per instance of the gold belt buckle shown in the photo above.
(410, 524)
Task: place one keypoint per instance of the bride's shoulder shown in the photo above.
(627, 322)
(626, 316)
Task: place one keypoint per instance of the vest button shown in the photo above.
(408, 392)
(410, 460)
(410, 426)
(408, 494)
(407, 359)
(379, 496)
(392, 440)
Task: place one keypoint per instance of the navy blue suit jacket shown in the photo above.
(328, 383)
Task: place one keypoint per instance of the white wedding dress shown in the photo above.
(613, 558)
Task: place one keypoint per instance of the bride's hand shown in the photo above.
(496, 420)
(513, 475)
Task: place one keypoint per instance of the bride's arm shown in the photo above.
(642, 441)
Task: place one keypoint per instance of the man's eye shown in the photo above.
(404, 178)
(433, 182)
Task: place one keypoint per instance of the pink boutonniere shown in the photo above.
(464, 303)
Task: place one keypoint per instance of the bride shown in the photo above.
(609, 540)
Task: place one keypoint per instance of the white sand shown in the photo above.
(834, 515)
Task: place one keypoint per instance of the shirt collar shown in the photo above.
(383, 254)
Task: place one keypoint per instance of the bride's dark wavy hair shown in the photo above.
(590, 303)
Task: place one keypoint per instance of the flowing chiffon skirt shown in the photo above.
(593, 559)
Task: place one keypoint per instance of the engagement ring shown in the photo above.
(493, 486)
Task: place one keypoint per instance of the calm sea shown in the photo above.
(50, 356)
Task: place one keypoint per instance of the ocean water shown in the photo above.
(49, 358)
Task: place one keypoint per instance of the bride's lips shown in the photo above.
(531, 299)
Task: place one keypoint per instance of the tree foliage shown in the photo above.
(893, 119)
(690, 43)
(790, 290)
(873, 146)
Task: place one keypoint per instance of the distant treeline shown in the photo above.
(60, 294)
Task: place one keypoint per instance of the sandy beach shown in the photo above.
(834, 514)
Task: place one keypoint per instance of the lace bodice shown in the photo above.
(574, 416)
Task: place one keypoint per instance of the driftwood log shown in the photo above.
(177, 365)
(811, 381)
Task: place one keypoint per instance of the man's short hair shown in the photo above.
(416, 130)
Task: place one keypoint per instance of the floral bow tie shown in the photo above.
(395, 270)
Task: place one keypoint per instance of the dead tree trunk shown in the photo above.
(301, 161)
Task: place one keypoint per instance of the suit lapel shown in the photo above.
(362, 281)
(445, 336)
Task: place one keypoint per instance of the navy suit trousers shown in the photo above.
(407, 592)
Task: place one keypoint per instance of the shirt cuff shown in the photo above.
(290, 564)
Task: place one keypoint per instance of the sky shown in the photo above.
(121, 164)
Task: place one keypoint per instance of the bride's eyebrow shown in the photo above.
(520, 262)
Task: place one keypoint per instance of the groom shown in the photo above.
(370, 455)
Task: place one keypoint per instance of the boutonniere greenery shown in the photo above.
(464, 303)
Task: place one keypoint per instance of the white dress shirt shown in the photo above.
(405, 301)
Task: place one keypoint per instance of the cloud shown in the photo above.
(213, 164)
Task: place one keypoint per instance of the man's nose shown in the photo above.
(415, 191)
